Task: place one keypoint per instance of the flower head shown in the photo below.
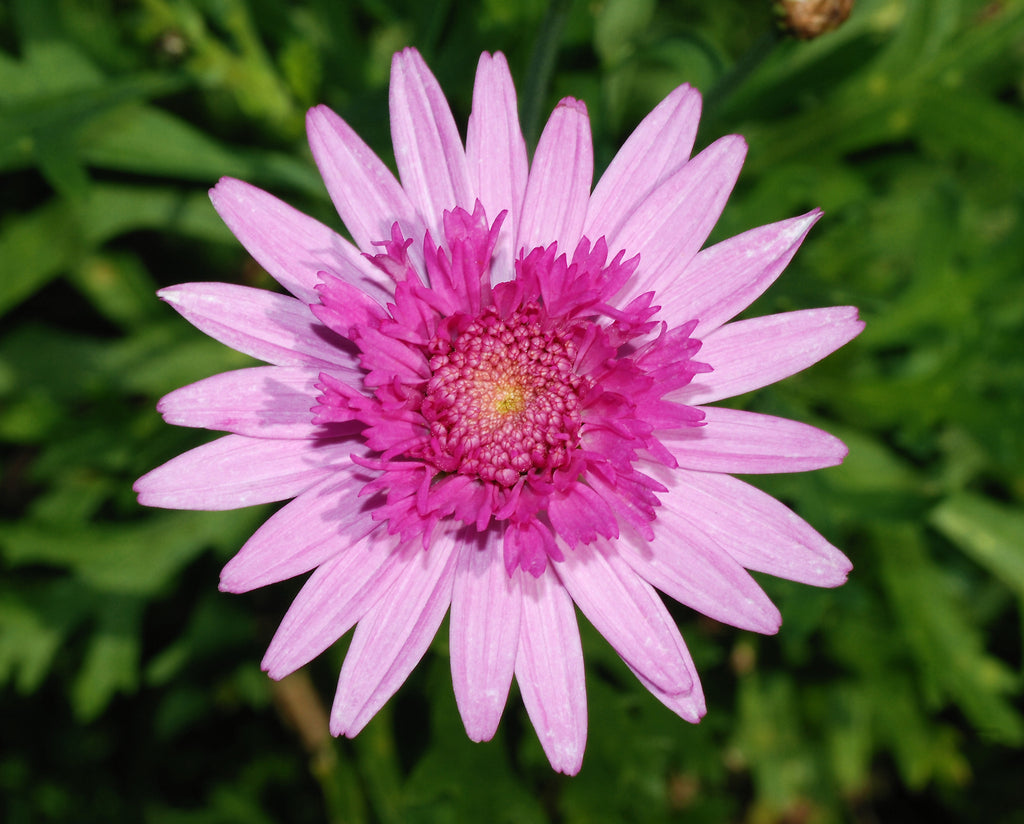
(494, 401)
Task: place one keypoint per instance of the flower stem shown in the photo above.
(716, 99)
(299, 703)
(542, 65)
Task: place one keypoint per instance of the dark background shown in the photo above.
(130, 686)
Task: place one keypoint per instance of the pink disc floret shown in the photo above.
(503, 397)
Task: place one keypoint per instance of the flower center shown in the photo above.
(503, 399)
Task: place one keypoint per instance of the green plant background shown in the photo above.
(130, 686)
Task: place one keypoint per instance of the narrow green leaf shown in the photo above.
(63, 113)
(34, 249)
(771, 737)
(990, 533)
(35, 621)
(58, 162)
(148, 140)
(924, 750)
(41, 245)
(119, 287)
(949, 649)
(111, 662)
(46, 67)
(963, 122)
(139, 559)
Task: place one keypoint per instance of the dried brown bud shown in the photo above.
(808, 19)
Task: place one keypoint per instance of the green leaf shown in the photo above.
(35, 620)
(119, 287)
(41, 245)
(112, 658)
(49, 67)
(960, 122)
(459, 780)
(924, 750)
(948, 647)
(992, 534)
(850, 737)
(771, 738)
(34, 249)
(147, 140)
(113, 210)
(59, 116)
(884, 482)
(140, 559)
(57, 159)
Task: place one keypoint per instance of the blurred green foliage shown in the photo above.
(131, 687)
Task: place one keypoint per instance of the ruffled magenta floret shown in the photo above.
(503, 398)
(529, 401)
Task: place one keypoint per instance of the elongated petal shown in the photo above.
(291, 246)
(389, 359)
(393, 636)
(689, 705)
(549, 669)
(304, 533)
(668, 228)
(336, 596)
(627, 612)
(261, 402)
(686, 564)
(724, 279)
(749, 443)
(658, 146)
(365, 193)
(428, 150)
(235, 471)
(749, 354)
(758, 531)
(559, 186)
(496, 155)
(484, 637)
(272, 327)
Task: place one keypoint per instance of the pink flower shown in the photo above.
(495, 402)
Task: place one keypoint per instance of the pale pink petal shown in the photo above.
(689, 705)
(627, 612)
(484, 634)
(393, 636)
(749, 354)
(751, 443)
(290, 245)
(558, 190)
(687, 565)
(261, 402)
(724, 279)
(496, 155)
(236, 471)
(304, 533)
(671, 224)
(758, 531)
(549, 670)
(658, 146)
(363, 190)
(274, 328)
(428, 150)
(340, 593)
